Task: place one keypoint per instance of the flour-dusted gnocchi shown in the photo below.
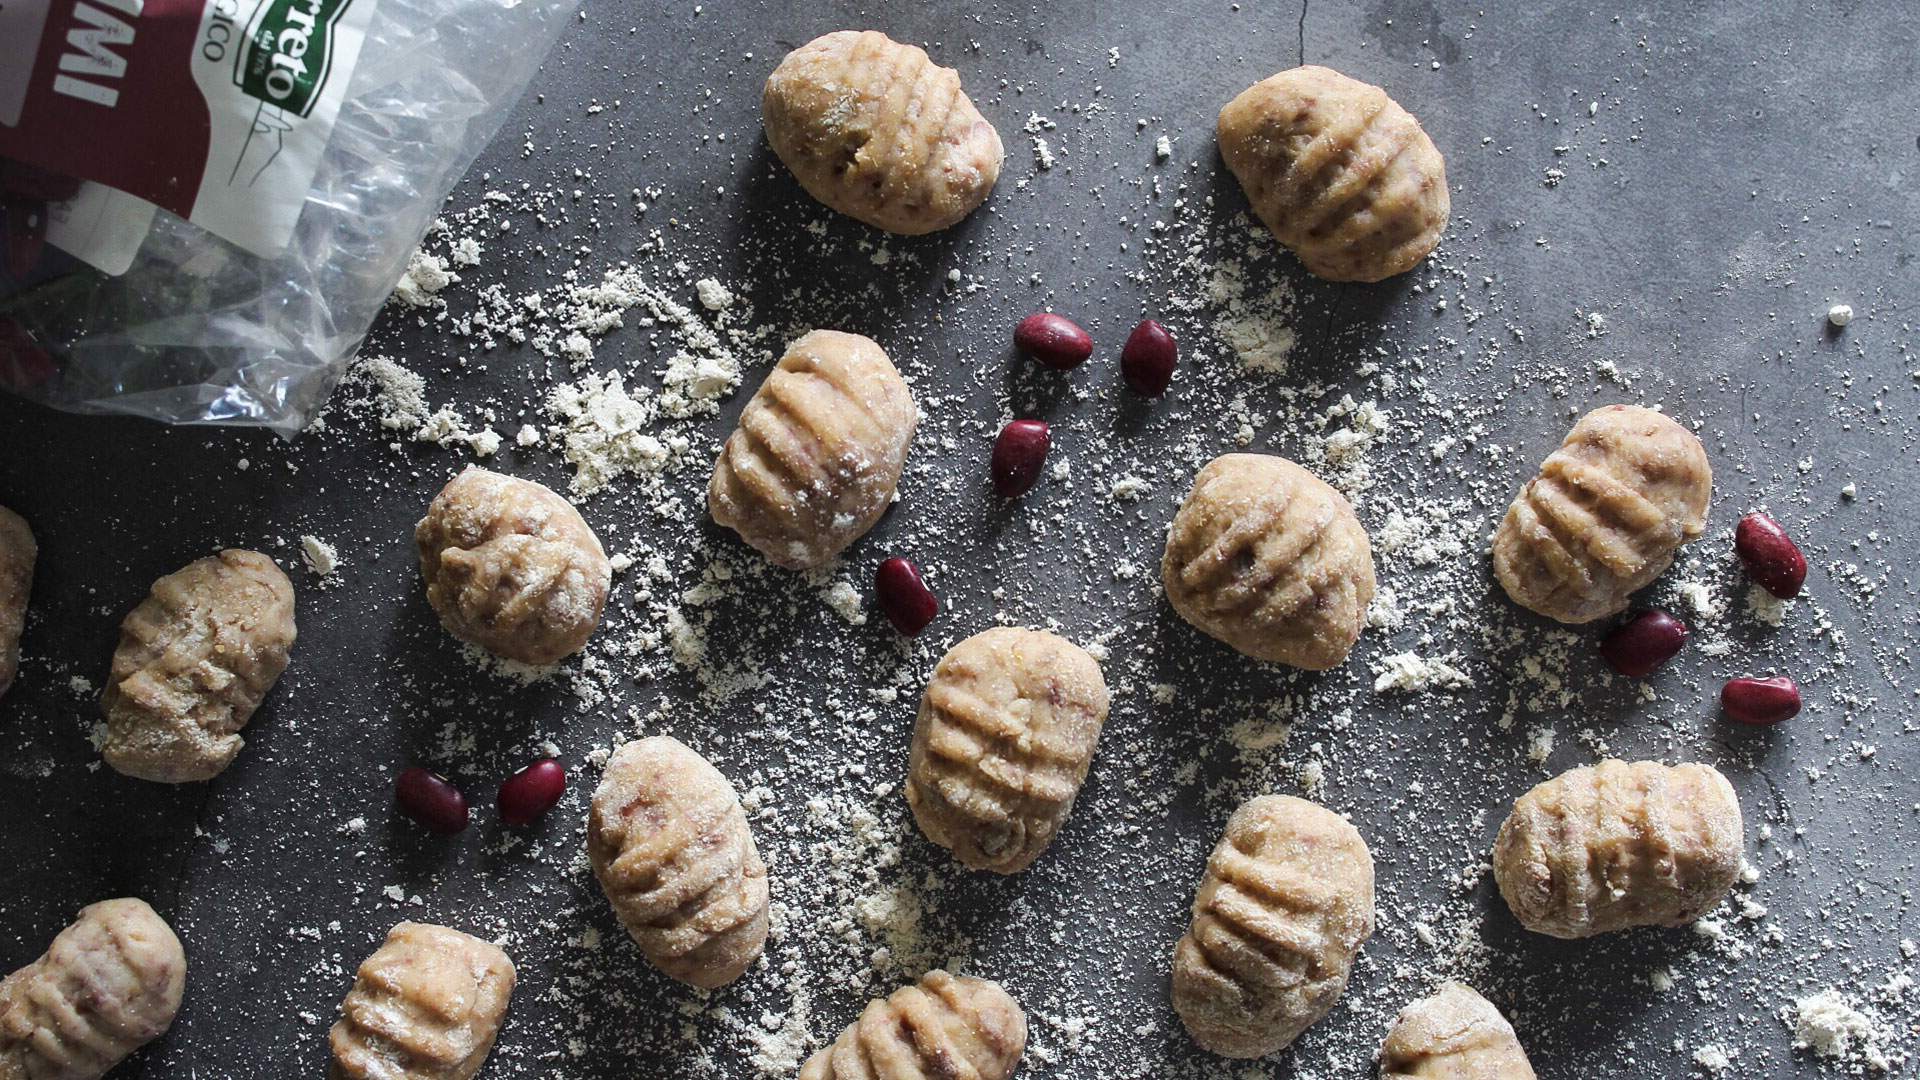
(108, 985)
(669, 841)
(1281, 913)
(17, 554)
(1005, 733)
(512, 567)
(1454, 1034)
(194, 661)
(1605, 515)
(944, 1027)
(1619, 844)
(425, 1006)
(818, 451)
(879, 132)
(1271, 560)
(1339, 171)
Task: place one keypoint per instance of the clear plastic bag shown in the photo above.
(198, 330)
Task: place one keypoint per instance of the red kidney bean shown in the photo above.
(34, 182)
(1639, 646)
(1018, 454)
(25, 234)
(431, 800)
(1052, 340)
(1146, 361)
(909, 604)
(1769, 555)
(532, 791)
(1760, 701)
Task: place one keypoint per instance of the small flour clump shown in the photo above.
(1408, 671)
(713, 295)
(1826, 1024)
(425, 276)
(601, 431)
(846, 602)
(322, 558)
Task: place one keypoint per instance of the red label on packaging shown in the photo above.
(111, 97)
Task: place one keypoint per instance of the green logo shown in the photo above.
(287, 50)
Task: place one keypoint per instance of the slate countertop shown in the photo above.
(1647, 207)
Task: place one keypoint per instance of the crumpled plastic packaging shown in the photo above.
(199, 331)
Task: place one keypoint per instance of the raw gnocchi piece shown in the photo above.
(1619, 844)
(943, 1027)
(879, 132)
(195, 659)
(512, 567)
(1284, 906)
(1005, 733)
(818, 451)
(425, 1006)
(17, 554)
(108, 985)
(1271, 560)
(1605, 515)
(1453, 1035)
(1338, 171)
(669, 841)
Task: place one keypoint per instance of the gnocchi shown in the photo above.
(1281, 913)
(669, 843)
(818, 451)
(943, 1027)
(1338, 171)
(108, 985)
(1004, 737)
(195, 659)
(1605, 515)
(877, 131)
(1271, 560)
(425, 1006)
(1454, 1034)
(1619, 844)
(512, 567)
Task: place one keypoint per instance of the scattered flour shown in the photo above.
(1766, 607)
(1826, 1024)
(1252, 324)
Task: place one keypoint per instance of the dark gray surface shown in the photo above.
(1759, 163)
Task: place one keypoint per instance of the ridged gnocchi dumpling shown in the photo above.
(1605, 515)
(194, 661)
(669, 842)
(1271, 560)
(1338, 171)
(879, 132)
(1454, 1034)
(1281, 913)
(1005, 733)
(109, 984)
(425, 1006)
(818, 451)
(944, 1027)
(1620, 844)
(512, 567)
(17, 554)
